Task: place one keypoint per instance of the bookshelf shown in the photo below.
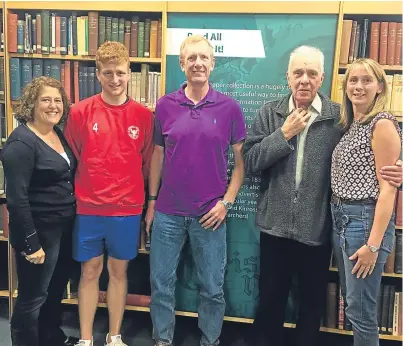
(163, 8)
(360, 39)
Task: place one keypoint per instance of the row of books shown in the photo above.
(3, 136)
(2, 85)
(79, 79)
(395, 93)
(50, 33)
(380, 41)
(131, 298)
(389, 310)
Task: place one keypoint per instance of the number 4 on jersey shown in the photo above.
(95, 127)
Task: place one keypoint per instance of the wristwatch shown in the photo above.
(227, 204)
(372, 248)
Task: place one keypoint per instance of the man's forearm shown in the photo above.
(237, 178)
(155, 173)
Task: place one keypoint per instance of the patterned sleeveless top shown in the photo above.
(353, 173)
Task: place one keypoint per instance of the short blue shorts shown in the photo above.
(117, 235)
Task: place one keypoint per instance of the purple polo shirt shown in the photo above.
(196, 140)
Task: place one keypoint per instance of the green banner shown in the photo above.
(252, 53)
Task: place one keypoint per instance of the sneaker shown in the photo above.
(84, 343)
(118, 341)
(71, 341)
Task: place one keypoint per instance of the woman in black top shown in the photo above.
(39, 171)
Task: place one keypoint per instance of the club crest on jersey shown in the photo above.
(133, 132)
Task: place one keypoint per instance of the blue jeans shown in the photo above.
(352, 225)
(209, 249)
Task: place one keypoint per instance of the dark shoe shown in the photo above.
(71, 341)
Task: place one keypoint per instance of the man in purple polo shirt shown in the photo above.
(194, 130)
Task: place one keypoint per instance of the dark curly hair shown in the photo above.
(24, 111)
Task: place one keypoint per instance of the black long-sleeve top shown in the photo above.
(39, 186)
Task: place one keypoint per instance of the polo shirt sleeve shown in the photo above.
(238, 126)
(158, 137)
(19, 162)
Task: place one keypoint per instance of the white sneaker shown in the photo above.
(118, 341)
(84, 343)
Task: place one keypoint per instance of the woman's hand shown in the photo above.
(366, 261)
(37, 257)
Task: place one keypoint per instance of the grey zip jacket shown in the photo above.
(284, 211)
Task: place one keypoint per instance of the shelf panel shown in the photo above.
(399, 227)
(74, 301)
(121, 6)
(79, 57)
(255, 7)
(385, 67)
(2, 238)
(390, 275)
(4, 293)
(372, 7)
(143, 251)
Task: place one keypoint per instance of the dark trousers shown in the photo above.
(37, 314)
(280, 260)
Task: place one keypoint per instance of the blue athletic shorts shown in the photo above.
(117, 235)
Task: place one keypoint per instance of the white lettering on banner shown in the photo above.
(226, 43)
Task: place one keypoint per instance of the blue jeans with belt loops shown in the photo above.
(209, 250)
(352, 223)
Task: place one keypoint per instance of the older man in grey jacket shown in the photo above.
(290, 144)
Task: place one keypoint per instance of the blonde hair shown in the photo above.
(25, 110)
(111, 51)
(381, 100)
(195, 39)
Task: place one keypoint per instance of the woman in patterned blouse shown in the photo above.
(363, 203)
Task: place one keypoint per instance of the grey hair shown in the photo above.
(308, 50)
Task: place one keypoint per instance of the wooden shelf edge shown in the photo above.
(399, 227)
(143, 251)
(79, 57)
(372, 7)
(74, 301)
(385, 67)
(124, 6)
(4, 293)
(3, 238)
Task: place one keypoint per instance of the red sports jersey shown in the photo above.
(113, 146)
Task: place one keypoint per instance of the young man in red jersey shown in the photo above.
(111, 136)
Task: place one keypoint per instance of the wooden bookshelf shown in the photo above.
(372, 7)
(120, 6)
(309, 7)
(4, 293)
(399, 227)
(74, 301)
(143, 251)
(79, 57)
(339, 8)
(2, 237)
